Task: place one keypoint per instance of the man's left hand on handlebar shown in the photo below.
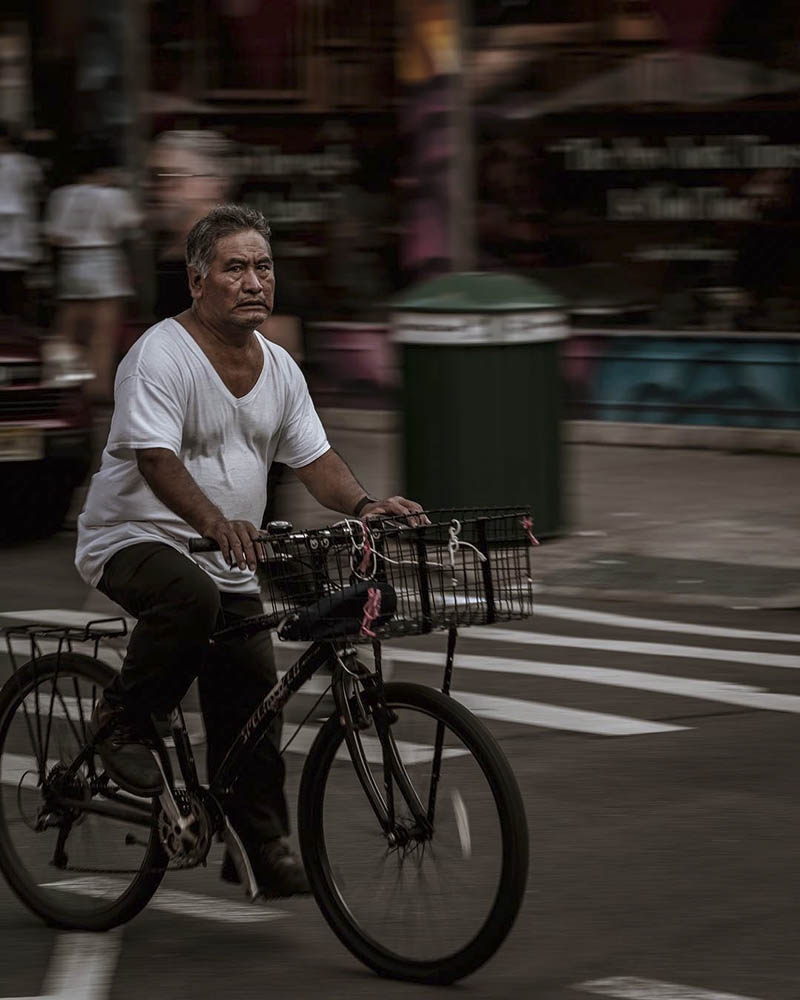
(397, 506)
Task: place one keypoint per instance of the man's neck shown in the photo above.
(231, 339)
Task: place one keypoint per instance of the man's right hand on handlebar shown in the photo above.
(236, 540)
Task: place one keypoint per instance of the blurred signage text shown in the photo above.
(683, 152)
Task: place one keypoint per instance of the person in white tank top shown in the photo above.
(86, 223)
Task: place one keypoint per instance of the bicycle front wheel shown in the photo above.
(437, 907)
(76, 850)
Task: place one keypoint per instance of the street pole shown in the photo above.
(462, 155)
(137, 86)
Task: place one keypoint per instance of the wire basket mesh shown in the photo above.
(393, 577)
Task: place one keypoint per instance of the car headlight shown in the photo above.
(63, 363)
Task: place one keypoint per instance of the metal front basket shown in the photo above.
(467, 567)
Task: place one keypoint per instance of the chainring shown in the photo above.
(190, 846)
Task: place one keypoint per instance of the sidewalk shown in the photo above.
(669, 524)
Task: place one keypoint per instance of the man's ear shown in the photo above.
(195, 283)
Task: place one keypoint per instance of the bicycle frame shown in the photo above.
(341, 657)
(135, 810)
(255, 729)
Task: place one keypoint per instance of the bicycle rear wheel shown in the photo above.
(436, 909)
(76, 851)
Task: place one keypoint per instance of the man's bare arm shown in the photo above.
(331, 482)
(174, 486)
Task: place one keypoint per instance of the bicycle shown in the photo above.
(405, 799)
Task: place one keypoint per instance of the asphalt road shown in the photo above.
(659, 772)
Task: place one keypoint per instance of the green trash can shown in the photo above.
(482, 393)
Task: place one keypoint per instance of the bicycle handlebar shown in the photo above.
(273, 529)
(203, 545)
(278, 530)
(336, 534)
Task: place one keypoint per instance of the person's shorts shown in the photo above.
(92, 273)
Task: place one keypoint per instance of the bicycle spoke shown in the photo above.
(43, 758)
(35, 745)
(79, 702)
(79, 737)
(427, 897)
(60, 823)
(53, 689)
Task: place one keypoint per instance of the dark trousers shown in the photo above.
(178, 607)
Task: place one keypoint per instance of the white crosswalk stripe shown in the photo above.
(641, 648)
(531, 713)
(658, 625)
(634, 988)
(487, 671)
(723, 692)
(172, 901)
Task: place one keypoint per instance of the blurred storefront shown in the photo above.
(642, 156)
(304, 89)
(646, 157)
(307, 93)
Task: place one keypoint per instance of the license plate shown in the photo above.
(18, 444)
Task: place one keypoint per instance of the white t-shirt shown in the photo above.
(90, 215)
(168, 395)
(19, 178)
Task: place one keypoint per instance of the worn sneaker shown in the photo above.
(124, 751)
(278, 870)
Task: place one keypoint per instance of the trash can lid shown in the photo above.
(477, 292)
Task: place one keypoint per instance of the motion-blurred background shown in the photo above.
(637, 160)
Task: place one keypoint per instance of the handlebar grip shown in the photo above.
(209, 545)
(203, 545)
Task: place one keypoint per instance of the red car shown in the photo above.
(45, 430)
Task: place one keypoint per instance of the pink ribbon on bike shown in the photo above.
(367, 556)
(527, 524)
(372, 609)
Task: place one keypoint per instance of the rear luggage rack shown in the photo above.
(37, 633)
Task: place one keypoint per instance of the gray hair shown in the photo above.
(211, 146)
(222, 221)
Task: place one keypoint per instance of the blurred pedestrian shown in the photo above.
(188, 173)
(87, 222)
(20, 182)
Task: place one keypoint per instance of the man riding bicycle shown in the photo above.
(203, 404)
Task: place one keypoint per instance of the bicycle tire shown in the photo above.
(339, 911)
(83, 906)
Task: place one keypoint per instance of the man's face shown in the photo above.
(239, 289)
(180, 182)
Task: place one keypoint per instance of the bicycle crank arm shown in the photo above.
(241, 862)
(182, 826)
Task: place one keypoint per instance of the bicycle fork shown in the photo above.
(371, 703)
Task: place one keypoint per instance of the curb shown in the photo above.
(608, 432)
(766, 439)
